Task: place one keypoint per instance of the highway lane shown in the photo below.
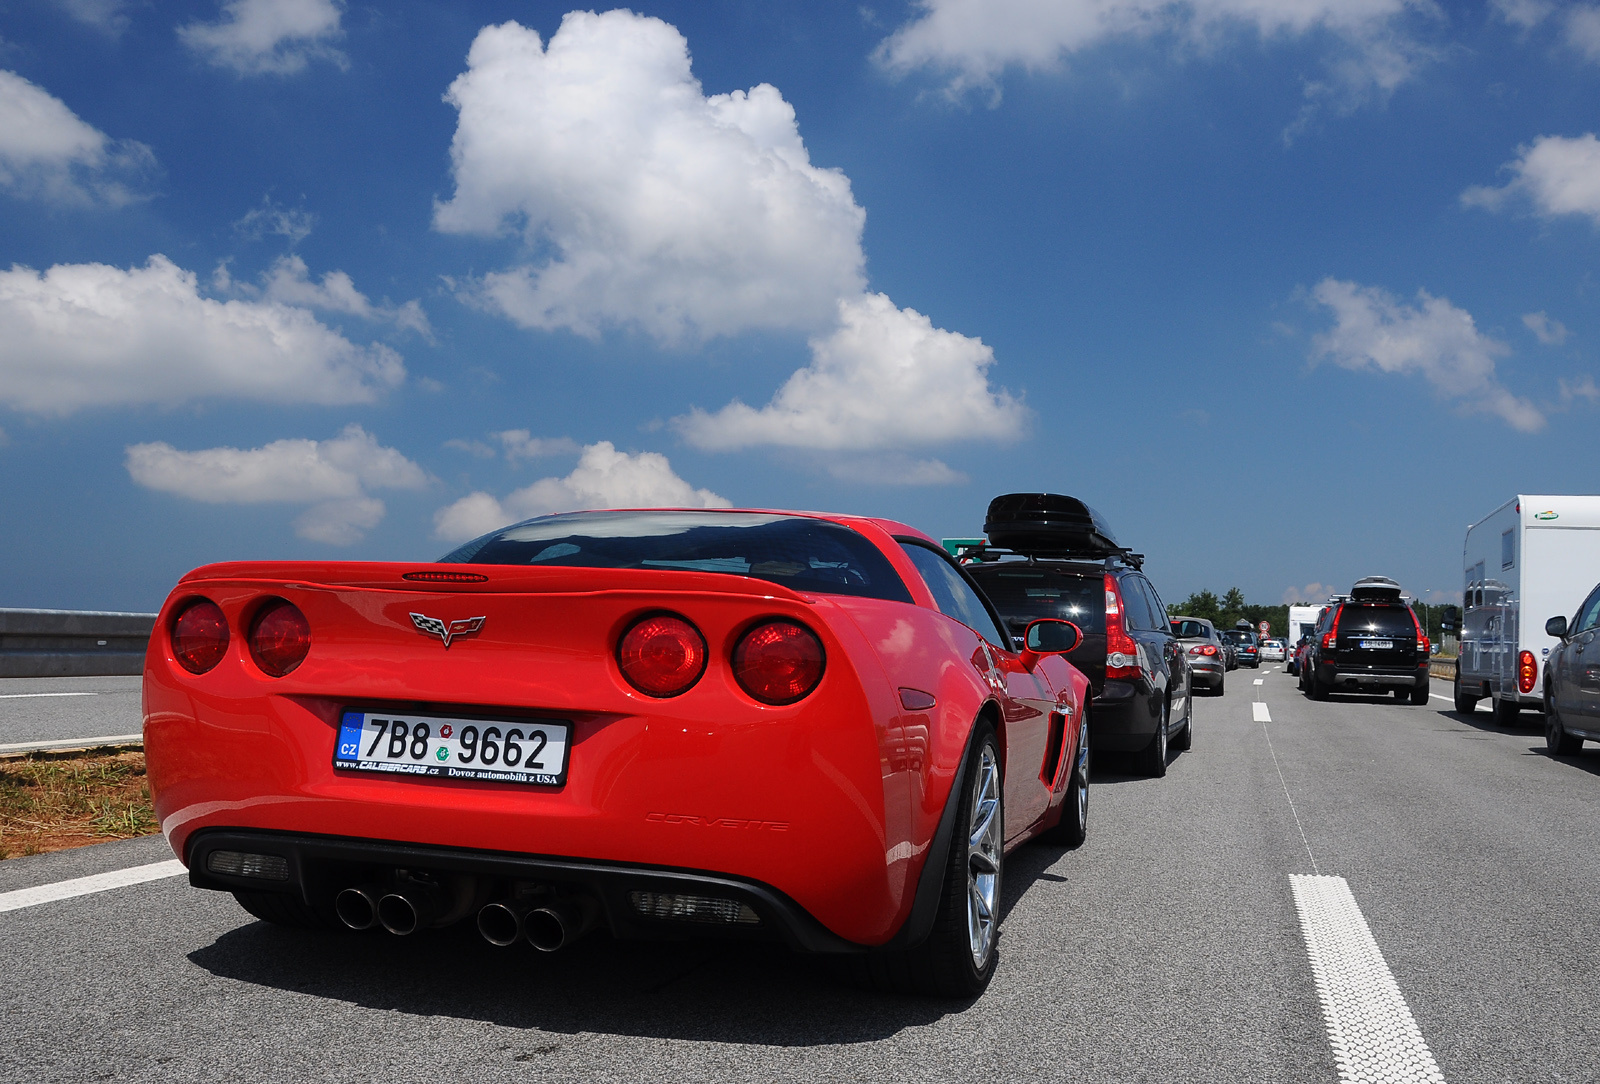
(1166, 949)
(45, 709)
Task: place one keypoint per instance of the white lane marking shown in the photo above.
(1447, 699)
(84, 886)
(72, 743)
(1262, 715)
(24, 696)
(1292, 811)
(1373, 1034)
(1257, 681)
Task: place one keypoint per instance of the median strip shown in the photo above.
(1370, 1027)
(85, 886)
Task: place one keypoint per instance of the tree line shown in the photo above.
(1231, 608)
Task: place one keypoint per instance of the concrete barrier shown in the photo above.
(72, 643)
(1443, 668)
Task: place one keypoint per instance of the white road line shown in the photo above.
(1447, 699)
(1261, 713)
(84, 886)
(1374, 1036)
(1257, 681)
(25, 696)
(72, 743)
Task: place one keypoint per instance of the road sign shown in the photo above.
(1265, 627)
(954, 546)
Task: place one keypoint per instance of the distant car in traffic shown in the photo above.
(1246, 647)
(1050, 555)
(1230, 653)
(1203, 646)
(1368, 641)
(1572, 679)
(1272, 650)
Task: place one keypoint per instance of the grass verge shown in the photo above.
(53, 801)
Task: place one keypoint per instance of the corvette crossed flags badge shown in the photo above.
(446, 631)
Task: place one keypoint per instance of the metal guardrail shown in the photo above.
(72, 643)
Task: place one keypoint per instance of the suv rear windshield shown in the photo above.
(1383, 620)
(1023, 593)
(804, 554)
(1239, 636)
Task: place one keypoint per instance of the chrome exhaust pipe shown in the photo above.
(407, 909)
(500, 922)
(559, 923)
(357, 907)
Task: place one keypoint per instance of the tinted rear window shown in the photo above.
(804, 554)
(1239, 636)
(1384, 620)
(1024, 593)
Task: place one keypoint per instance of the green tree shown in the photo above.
(1201, 604)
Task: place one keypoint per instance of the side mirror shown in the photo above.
(1557, 627)
(1048, 636)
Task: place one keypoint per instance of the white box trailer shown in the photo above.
(1302, 619)
(1532, 558)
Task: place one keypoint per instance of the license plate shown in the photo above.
(1383, 645)
(530, 751)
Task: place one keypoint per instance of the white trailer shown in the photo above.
(1532, 558)
(1302, 619)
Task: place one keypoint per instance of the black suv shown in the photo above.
(1368, 641)
(1053, 556)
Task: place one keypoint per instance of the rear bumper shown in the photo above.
(1124, 716)
(321, 866)
(1370, 680)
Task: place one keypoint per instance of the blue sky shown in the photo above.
(1291, 290)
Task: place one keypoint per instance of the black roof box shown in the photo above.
(1375, 589)
(1048, 525)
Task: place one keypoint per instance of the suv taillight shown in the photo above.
(1122, 651)
(1527, 671)
(1330, 639)
(1424, 647)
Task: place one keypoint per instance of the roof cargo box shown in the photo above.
(1048, 524)
(1375, 589)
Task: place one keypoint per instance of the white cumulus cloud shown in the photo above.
(643, 201)
(279, 37)
(604, 478)
(973, 41)
(288, 282)
(1557, 175)
(885, 378)
(1375, 330)
(48, 152)
(83, 335)
(333, 476)
(294, 223)
(1548, 331)
(1578, 24)
(107, 16)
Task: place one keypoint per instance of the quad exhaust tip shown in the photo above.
(549, 927)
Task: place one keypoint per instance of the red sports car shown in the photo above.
(665, 722)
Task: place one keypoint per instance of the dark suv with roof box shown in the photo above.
(1053, 556)
(1368, 641)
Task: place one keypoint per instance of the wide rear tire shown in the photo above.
(1466, 703)
(951, 962)
(1319, 690)
(1556, 738)
(1183, 740)
(1420, 693)
(1154, 758)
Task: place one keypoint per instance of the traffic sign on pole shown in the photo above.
(1265, 627)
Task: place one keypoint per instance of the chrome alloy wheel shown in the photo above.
(983, 857)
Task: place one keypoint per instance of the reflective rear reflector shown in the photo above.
(266, 867)
(682, 908)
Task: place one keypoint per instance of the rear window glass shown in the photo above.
(804, 554)
(1239, 636)
(1025, 593)
(1383, 620)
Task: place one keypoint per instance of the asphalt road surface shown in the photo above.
(1167, 948)
(47, 709)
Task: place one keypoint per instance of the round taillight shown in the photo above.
(778, 662)
(662, 655)
(200, 636)
(279, 637)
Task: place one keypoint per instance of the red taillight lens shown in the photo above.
(200, 636)
(662, 655)
(1122, 652)
(1328, 639)
(1202, 649)
(779, 662)
(1527, 671)
(280, 636)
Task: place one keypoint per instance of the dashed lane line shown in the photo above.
(1373, 1034)
(85, 886)
(1258, 681)
(1262, 715)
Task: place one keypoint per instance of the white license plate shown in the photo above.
(531, 751)
(1383, 645)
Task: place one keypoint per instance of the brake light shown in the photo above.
(1425, 647)
(779, 662)
(1330, 639)
(1527, 671)
(662, 655)
(1122, 652)
(1203, 649)
(279, 637)
(200, 636)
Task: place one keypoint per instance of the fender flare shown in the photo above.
(925, 904)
